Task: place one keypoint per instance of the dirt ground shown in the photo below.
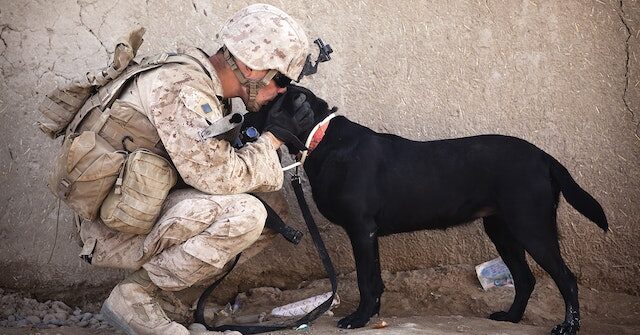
(440, 301)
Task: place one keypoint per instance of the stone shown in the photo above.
(86, 317)
(60, 305)
(33, 319)
(8, 311)
(49, 319)
(61, 315)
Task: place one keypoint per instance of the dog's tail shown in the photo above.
(576, 196)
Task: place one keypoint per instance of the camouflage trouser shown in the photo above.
(194, 237)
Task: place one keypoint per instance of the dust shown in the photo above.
(440, 300)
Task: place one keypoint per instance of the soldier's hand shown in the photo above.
(287, 120)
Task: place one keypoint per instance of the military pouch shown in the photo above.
(61, 105)
(85, 171)
(135, 202)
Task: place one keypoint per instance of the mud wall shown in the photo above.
(561, 74)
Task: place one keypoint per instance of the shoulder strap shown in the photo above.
(108, 93)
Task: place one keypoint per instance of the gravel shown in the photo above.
(18, 310)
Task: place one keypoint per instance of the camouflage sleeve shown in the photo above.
(211, 166)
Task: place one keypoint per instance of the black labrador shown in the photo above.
(375, 184)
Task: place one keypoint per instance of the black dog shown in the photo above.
(374, 184)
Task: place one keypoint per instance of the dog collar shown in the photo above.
(314, 138)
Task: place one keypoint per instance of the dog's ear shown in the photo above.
(319, 105)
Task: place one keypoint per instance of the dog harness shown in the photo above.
(314, 138)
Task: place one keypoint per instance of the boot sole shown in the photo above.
(115, 320)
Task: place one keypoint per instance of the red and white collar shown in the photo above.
(314, 138)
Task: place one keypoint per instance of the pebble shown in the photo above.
(49, 319)
(34, 320)
(20, 310)
(86, 317)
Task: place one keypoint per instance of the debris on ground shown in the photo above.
(494, 273)
(18, 310)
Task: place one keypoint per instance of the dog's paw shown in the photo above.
(565, 329)
(355, 320)
(503, 316)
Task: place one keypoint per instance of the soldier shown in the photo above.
(202, 228)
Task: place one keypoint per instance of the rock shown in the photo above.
(22, 323)
(82, 323)
(7, 299)
(60, 305)
(86, 317)
(11, 318)
(8, 311)
(61, 315)
(49, 319)
(77, 312)
(99, 317)
(34, 320)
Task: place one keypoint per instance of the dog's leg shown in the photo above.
(512, 254)
(535, 229)
(546, 252)
(366, 254)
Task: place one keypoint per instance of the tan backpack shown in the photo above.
(110, 150)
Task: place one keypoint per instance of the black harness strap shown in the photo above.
(324, 256)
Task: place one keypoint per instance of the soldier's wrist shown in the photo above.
(274, 140)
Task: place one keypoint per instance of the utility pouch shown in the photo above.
(86, 169)
(61, 105)
(135, 202)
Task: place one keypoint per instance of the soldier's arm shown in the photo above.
(212, 166)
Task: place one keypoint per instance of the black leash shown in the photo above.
(294, 238)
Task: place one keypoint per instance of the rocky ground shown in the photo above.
(440, 301)
(20, 311)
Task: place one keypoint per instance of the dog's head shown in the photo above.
(319, 106)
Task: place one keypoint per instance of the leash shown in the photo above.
(296, 183)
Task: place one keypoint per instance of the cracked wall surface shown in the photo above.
(562, 74)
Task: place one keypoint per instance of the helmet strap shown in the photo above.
(252, 85)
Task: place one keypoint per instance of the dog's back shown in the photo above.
(411, 185)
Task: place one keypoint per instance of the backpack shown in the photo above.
(111, 164)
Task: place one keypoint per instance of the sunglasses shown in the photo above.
(281, 80)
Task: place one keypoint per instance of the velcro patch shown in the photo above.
(201, 103)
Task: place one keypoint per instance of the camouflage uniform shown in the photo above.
(200, 229)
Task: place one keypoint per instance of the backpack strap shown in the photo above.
(107, 94)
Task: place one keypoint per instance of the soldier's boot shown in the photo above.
(132, 308)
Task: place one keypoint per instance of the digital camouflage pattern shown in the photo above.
(200, 229)
(266, 38)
